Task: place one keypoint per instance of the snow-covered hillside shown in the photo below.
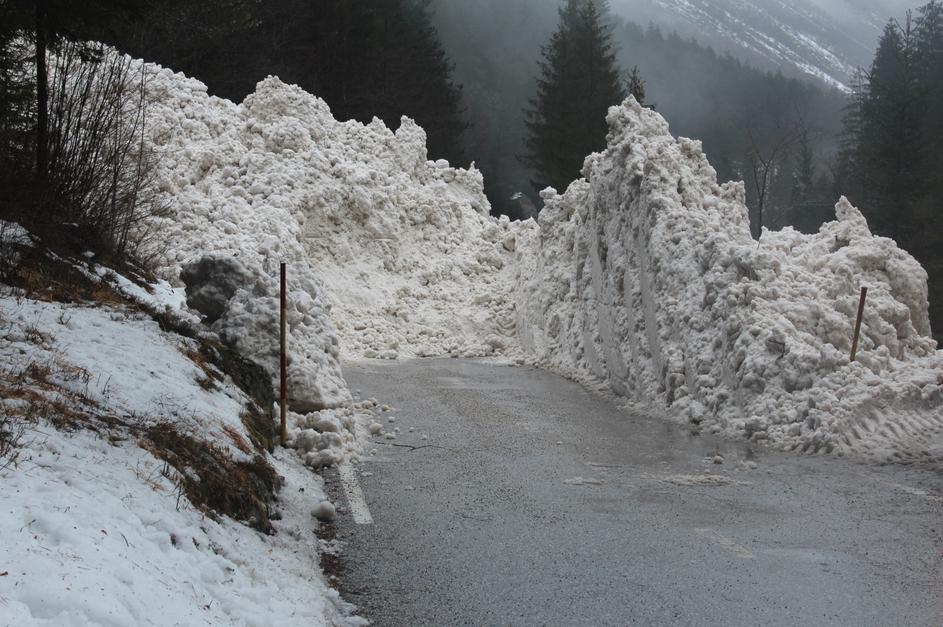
(127, 455)
(817, 38)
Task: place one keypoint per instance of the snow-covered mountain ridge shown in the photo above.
(818, 38)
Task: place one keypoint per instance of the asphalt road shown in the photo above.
(536, 502)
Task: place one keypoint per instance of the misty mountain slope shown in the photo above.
(825, 39)
(706, 95)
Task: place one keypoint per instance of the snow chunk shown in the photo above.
(324, 511)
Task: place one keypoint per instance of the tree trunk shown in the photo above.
(42, 97)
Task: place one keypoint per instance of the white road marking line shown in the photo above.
(355, 498)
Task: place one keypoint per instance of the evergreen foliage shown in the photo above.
(17, 119)
(892, 138)
(637, 85)
(369, 58)
(579, 80)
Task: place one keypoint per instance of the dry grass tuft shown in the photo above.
(212, 376)
(12, 431)
(39, 392)
(212, 480)
(47, 277)
(260, 426)
(237, 440)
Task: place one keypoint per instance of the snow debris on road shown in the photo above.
(644, 277)
(402, 249)
(231, 197)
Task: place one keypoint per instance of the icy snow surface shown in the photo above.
(644, 277)
(120, 360)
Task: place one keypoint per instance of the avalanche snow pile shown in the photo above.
(644, 278)
(402, 249)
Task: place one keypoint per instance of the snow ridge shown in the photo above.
(645, 278)
(400, 248)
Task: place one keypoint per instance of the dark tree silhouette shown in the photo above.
(892, 138)
(579, 80)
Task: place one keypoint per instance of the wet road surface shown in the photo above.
(536, 502)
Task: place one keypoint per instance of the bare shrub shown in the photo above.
(100, 173)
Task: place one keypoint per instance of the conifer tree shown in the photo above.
(366, 58)
(579, 80)
(884, 141)
(637, 85)
(928, 36)
(404, 72)
(893, 136)
(927, 237)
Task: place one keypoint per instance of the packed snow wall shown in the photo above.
(233, 197)
(644, 277)
(389, 255)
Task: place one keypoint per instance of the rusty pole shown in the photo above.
(283, 392)
(854, 342)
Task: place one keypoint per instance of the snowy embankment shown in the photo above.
(127, 455)
(644, 278)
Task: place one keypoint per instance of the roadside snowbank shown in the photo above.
(644, 278)
(94, 534)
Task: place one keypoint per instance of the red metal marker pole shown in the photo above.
(283, 394)
(854, 342)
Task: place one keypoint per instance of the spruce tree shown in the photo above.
(893, 135)
(579, 80)
(637, 85)
(366, 58)
(883, 128)
(17, 117)
(928, 36)
(927, 238)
